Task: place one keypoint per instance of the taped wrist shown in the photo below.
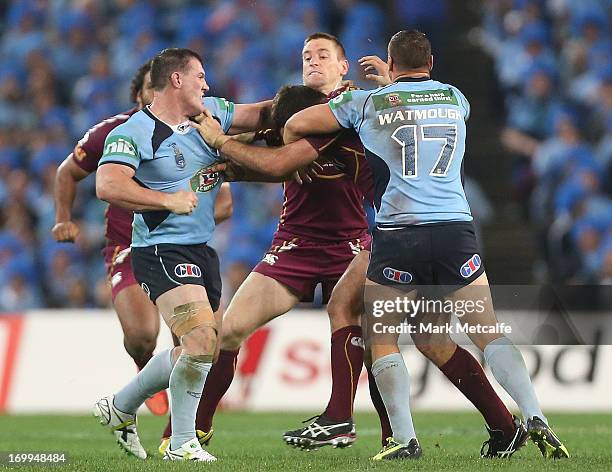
(192, 315)
(219, 141)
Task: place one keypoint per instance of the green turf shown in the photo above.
(243, 441)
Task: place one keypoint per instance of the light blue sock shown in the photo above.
(151, 379)
(509, 369)
(393, 382)
(186, 385)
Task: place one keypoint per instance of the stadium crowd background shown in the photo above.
(67, 64)
(553, 61)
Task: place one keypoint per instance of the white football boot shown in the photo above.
(122, 425)
(190, 451)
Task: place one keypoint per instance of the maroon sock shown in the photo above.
(346, 363)
(217, 383)
(466, 373)
(385, 424)
(168, 429)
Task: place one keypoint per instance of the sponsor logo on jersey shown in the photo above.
(394, 99)
(471, 266)
(120, 146)
(340, 100)
(187, 270)
(182, 128)
(357, 341)
(178, 156)
(204, 179)
(420, 97)
(270, 259)
(398, 276)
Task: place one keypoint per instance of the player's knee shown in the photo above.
(341, 314)
(200, 340)
(195, 325)
(139, 342)
(437, 353)
(233, 335)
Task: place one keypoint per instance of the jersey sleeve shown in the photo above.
(121, 148)
(348, 108)
(221, 109)
(88, 151)
(463, 103)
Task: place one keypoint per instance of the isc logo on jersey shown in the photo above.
(204, 179)
(399, 276)
(471, 266)
(187, 270)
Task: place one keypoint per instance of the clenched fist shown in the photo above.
(182, 202)
(65, 232)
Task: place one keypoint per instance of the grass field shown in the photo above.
(249, 442)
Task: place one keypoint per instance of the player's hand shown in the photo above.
(210, 129)
(65, 232)
(231, 171)
(349, 85)
(306, 173)
(182, 202)
(272, 137)
(375, 64)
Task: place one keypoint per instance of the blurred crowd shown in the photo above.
(67, 64)
(553, 61)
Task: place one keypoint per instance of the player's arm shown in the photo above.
(223, 204)
(317, 119)
(251, 117)
(115, 184)
(68, 175)
(276, 162)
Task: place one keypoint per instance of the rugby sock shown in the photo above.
(217, 383)
(509, 369)
(393, 381)
(385, 425)
(466, 373)
(346, 362)
(151, 379)
(186, 385)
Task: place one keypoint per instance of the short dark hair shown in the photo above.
(292, 98)
(410, 49)
(138, 80)
(168, 61)
(330, 37)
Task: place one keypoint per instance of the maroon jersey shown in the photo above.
(331, 207)
(86, 155)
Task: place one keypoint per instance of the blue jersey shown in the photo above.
(413, 132)
(168, 159)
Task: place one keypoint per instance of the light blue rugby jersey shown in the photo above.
(413, 132)
(169, 159)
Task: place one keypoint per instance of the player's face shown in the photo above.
(194, 87)
(145, 96)
(322, 69)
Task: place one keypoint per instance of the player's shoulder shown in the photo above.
(452, 88)
(218, 104)
(137, 126)
(100, 130)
